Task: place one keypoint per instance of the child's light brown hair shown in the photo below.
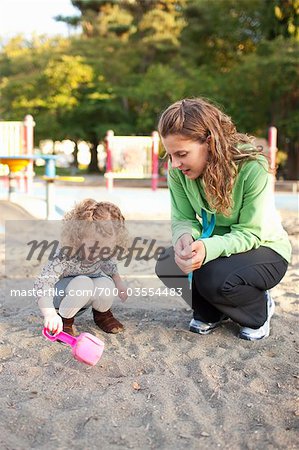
(89, 218)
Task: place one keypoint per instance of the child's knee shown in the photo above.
(105, 293)
(103, 287)
(81, 286)
(102, 304)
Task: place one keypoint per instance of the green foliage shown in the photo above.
(287, 18)
(158, 87)
(267, 85)
(134, 57)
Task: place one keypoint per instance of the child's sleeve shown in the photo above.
(45, 283)
(109, 267)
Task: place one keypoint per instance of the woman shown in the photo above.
(226, 233)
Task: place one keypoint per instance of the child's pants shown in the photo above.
(234, 285)
(80, 292)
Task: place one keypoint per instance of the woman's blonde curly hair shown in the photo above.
(92, 218)
(197, 119)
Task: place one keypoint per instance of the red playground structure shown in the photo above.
(17, 139)
(132, 157)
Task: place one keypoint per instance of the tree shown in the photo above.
(285, 20)
(42, 82)
(263, 91)
(134, 57)
(221, 32)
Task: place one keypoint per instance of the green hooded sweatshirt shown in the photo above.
(253, 221)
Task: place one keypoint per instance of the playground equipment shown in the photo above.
(16, 152)
(132, 157)
(16, 147)
(16, 139)
(17, 163)
(137, 157)
(50, 190)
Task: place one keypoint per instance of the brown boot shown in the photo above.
(107, 322)
(68, 325)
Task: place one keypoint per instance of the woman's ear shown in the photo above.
(208, 140)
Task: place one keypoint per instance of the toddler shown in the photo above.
(82, 274)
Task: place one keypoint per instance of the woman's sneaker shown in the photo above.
(250, 334)
(200, 327)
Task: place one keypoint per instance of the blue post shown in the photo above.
(50, 170)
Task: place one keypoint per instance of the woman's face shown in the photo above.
(188, 156)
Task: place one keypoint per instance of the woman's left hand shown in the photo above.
(198, 256)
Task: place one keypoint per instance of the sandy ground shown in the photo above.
(157, 386)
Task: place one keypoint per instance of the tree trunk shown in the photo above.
(293, 161)
(74, 168)
(93, 165)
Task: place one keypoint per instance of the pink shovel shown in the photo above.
(85, 348)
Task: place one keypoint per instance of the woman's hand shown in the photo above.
(182, 248)
(122, 290)
(189, 256)
(53, 322)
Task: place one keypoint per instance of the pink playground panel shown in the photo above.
(17, 138)
(132, 157)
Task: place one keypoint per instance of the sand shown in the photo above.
(157, 386)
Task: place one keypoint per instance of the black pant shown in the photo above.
(234, 285)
